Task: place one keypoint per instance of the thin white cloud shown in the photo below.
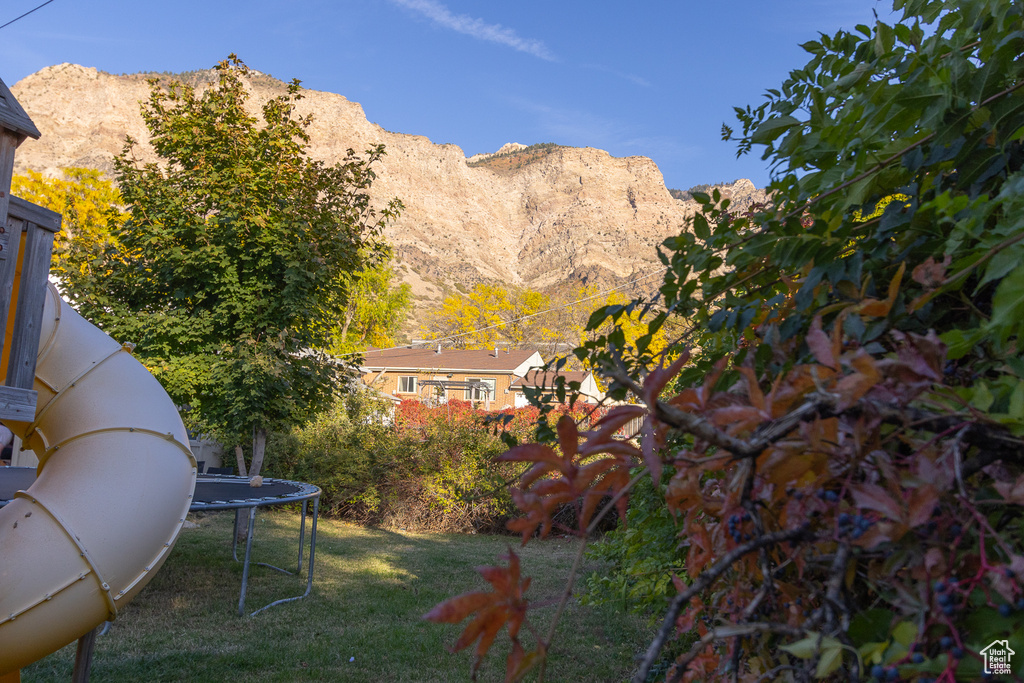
(477, 28)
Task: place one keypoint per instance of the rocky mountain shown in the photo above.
(528, 216)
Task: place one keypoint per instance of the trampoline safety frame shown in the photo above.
(210, 496)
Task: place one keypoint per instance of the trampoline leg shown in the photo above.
(245, 565)
(312, 556)
(312, 544)
(302, 535)
(234, 536)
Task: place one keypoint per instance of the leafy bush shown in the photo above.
(338, 451)
(641, 557)
(416, 467)
(842, 427)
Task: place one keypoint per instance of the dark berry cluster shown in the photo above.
(946, 643)
(885, 673)
(828, 496)
(853, 525)
(955, 651)
(735, 524)
(946, 598)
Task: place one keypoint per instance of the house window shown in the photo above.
(481, 393)
(407, 384)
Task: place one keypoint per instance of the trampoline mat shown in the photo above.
(218, 492)
(233, 492)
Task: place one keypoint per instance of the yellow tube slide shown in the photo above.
(114, 484)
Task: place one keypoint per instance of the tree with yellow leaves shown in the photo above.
(89, 204)
(375, 309)
(488, 315)
(552, 323)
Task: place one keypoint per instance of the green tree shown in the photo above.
(840, 436)
(375, 309)
(228, 272)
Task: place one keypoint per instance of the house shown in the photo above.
(483, 376)
(539, 379)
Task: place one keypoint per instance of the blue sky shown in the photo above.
(656, 79)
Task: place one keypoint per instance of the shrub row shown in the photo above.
(414, 467)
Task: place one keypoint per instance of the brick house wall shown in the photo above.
(400, 372)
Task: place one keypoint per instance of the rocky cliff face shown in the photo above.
(524, 216)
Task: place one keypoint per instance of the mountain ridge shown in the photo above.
(569, 213)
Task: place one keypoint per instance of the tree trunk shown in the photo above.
(259, 447)
(240, 459)
(349, 314)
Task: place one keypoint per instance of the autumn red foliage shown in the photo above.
(841, 433)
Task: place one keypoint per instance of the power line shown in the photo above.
(26, 13)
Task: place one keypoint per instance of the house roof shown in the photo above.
(516, 361)
(546, 380)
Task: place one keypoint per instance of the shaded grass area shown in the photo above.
(361, 623)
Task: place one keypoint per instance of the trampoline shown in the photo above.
(226, 492)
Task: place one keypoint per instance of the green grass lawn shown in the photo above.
(361, 623)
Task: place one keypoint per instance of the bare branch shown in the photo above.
(992, 440)
(702, 582)
(701, 428)
(731, 631)
(833, 594)
(688, 422)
